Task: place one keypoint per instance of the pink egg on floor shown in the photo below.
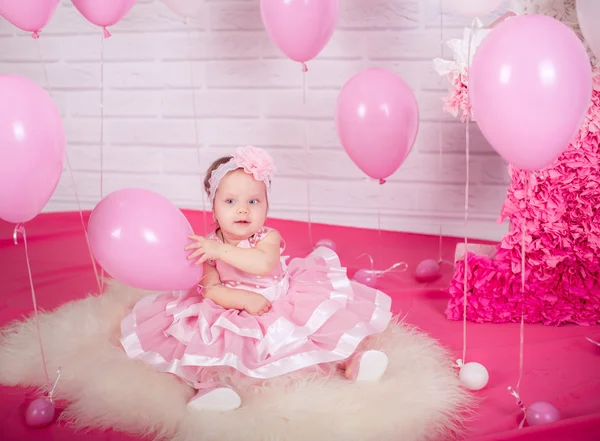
(327, 243)
(40, 413)
(366, 277)
(541, 413)
(428, 270)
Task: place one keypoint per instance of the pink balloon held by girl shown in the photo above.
(252, 312)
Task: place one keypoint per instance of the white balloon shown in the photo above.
(472, 8)
(588, 15)
(473, 376)
(185, 8)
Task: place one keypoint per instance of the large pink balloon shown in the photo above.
(29, 15)
(138, 237)
(377, 119)
(32, 148)
(300, 28)
(530, 87)
(105, 12)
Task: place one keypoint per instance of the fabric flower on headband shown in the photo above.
(255, 161)
(252, 160)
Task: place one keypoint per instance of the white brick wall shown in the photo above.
(246, 92)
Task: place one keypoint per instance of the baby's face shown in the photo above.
(240, 205)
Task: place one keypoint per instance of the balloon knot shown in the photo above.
(381, 181)
(304, 67)
(35, 35)
(19, 228)
(106, 33)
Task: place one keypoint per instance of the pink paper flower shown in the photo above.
(458, 101)
(255, 161)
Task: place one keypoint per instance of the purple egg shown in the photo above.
(40, 413)
(428, 270)
(541, 413)
(366, 277)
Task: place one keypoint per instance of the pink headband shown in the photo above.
(255, 161)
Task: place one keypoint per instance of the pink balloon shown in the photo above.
(530, 87)
(32, 148)
(138, 237)
(377, 119)
(103, 13)
(40, 413)
(29, 15)
(300, 28)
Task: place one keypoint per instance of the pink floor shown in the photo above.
(561, 366)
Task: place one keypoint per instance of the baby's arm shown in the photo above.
(260, 260)
(231, 298)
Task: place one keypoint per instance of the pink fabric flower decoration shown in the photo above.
(255, 161)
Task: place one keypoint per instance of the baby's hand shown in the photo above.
(206, 248)
(255, 304)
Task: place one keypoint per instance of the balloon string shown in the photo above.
(401, 266)
(104, 35)
(20, 228)
(308, 176)
(440, 126)
(51, 393)
(304, 70)
(380, 241)
(72, 176)
(102, 117)
(467, 179)
(522, 324)
(87, 238)
(196, 132)
(515, 394)
(592, 341)
(308, 158)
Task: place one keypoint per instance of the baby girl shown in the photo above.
(255, 313)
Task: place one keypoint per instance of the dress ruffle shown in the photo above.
(321, 316)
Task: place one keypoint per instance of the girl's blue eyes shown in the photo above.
(252, 201)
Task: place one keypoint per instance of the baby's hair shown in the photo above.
(212, 168)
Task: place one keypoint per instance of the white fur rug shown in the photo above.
(419, 397)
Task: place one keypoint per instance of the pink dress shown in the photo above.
(318, 316)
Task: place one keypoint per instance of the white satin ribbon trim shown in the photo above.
(273, 338)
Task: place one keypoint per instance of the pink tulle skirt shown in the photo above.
(318, 316)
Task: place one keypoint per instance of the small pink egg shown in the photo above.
(40, 413)
(428, 271)
(366, 277)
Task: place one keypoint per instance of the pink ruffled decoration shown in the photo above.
(458, 101)
(562, 263)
